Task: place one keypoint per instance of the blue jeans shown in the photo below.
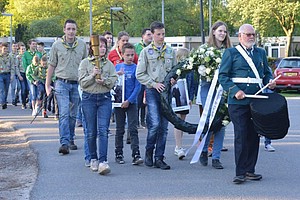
(24, 88)
(4, 85)
(219, 135)
(157, 124)
(15, 88)
(87, 155)
(267, 141)
(33, 92)
(96, 110)
(132, 119)
(67, 99)
(79, 112)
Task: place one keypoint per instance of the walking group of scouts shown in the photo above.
(84, 76)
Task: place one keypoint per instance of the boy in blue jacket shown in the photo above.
(128, 106)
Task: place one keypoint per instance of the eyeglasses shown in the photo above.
(250, 34)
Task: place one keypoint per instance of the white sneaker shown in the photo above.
(180, 153)
(94, 165)
(33, 112)
(269, 148)
(103, 168)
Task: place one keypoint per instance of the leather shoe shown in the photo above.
(64, 149)
(149, 158)
(159, 163)
(217, 164)
(253, 177)
(204, 158)
(239, 179)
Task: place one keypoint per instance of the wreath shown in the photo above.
(204, 61)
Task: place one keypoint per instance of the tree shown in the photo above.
(46, 28)
(265, 15)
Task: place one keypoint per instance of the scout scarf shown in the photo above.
(161, 51)
(143, 44)
(67, 46)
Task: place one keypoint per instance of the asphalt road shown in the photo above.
(66, 177)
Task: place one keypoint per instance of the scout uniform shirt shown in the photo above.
(66, 58)
(7, 65)
(40, 73)
(154, 64)
(87, 80)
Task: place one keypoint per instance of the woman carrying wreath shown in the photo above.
(218, 38)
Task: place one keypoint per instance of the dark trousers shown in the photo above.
(246, 140)
(141, 105)
(120, 113)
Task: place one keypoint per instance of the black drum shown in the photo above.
(270, 116)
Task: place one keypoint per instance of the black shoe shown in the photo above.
(159, 163)
(204, 158)
(64, 149)
(73, 146)
(120, 159)
(24, 106)
(217, 164)
(239, 179)
(128, 141)
(137, 160)
(4, 106)
(149, 158)
(224, 149)
(14, 103)
(253, 177)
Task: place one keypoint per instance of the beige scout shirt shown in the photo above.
(66, 60)
(7, 64)
(151, 70)
(87, 80)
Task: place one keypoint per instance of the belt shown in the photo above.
(247, 80)
(5, 73)
(67, 81)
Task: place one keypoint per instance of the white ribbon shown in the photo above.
(203, 118)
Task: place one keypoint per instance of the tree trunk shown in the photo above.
(288, 50)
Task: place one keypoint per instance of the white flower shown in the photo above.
(208, 79)
(178, 72)
(190, 66)
(208, 70)
(191, 59)
(225, 122)
(201, 70)
(201, 50)
(218, 60)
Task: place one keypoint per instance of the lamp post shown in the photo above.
(163, 11)
(111, 20)
(91, 17)
(9, 15)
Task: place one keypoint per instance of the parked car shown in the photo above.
(289, 69)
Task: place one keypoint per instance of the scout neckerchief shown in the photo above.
(67, 45)
(5, 59)
(42, 72)
(143, 44)
(249, 61)
(161, 51)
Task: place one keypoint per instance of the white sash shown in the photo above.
(209, 102)
(249, 61)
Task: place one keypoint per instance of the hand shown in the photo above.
(100, 81)
(240, 95)
(125, 104)
(96, 71)
(272, 84)
(159, 87)
(121, 72)
(48, 89)
(20, 78)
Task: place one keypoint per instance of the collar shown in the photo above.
(161, 51)
(67, 46)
